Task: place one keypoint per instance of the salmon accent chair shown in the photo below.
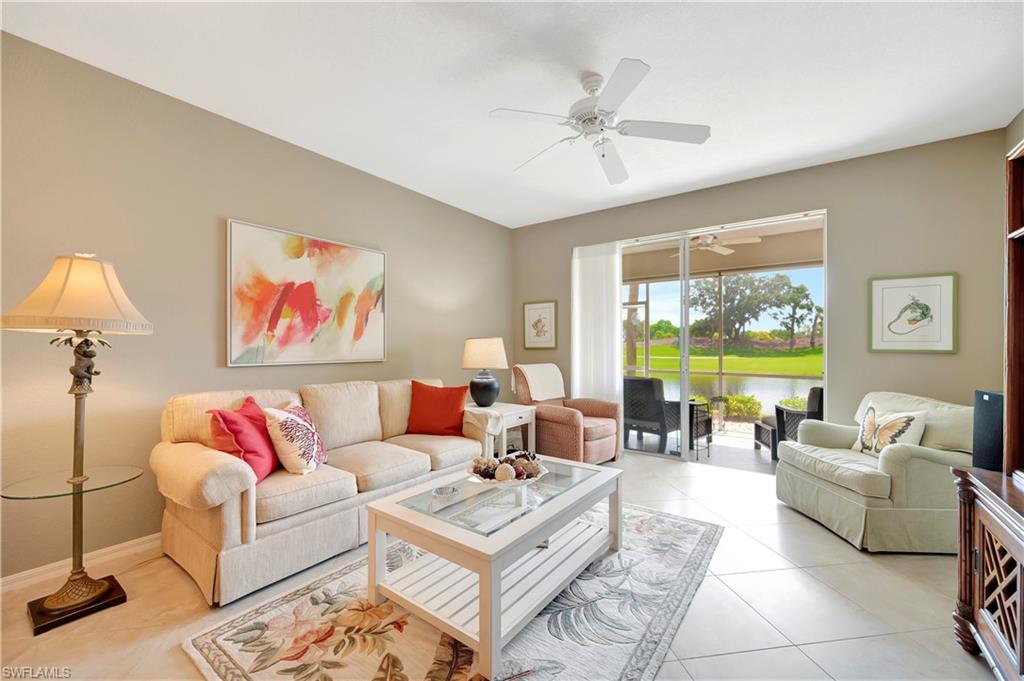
(582, 429)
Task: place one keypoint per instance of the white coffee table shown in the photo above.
(496, 556)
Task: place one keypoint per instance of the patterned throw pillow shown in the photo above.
(298, 445)
(877, 431)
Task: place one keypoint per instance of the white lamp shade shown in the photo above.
(484, 353)
(79, 293)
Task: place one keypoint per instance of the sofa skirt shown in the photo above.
(227, 575)
(867, 522)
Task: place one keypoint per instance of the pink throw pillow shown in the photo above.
(243, 433)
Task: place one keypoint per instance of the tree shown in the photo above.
(792, 308)
(816, 325)
(745, 297)
(663, 328)
(703, 328)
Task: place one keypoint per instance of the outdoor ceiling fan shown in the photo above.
(710, 242)
(596, 114)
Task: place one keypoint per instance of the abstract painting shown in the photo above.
(297, 299)
(539, 321)
(913, 314)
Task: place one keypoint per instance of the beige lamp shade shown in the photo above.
(79, 293)
(484, 353)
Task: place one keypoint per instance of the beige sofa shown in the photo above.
(902, 499)
(235, 536)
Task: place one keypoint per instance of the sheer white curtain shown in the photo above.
(597, 322)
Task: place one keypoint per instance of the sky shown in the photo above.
(665, 298)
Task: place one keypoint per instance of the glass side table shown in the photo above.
(81, 595)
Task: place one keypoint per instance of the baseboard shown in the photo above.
(140, 548)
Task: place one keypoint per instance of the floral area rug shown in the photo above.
(615, 621)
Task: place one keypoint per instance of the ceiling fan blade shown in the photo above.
(673, 132)
(610, 161)
(545, 150)
(535, 116)
(720, 250)
(742, 240)
(626, 76)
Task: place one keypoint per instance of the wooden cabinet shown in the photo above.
(990, 564)
(991, 569)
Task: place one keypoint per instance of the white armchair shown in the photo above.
(901, 499)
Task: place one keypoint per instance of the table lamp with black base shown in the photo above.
(82, 301)
(484, 354)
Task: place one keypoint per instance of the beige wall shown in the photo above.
(1015, 132)
(95, 163)
(932, 208)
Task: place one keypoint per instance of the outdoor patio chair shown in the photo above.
(783, 424)
(644, 410)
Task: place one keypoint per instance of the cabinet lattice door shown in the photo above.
(999, 586)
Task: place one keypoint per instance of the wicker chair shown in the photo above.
(645, 410)
(782, 425)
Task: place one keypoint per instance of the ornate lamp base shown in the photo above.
(81, 595)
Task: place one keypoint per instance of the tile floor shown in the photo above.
(783, 598)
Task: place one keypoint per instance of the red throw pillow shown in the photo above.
(243, 433)
(436, 411)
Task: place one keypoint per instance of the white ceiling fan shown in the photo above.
(596, 114)
(710, 242)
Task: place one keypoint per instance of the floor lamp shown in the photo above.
(82, 301)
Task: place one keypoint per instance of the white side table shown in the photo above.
(503, 416)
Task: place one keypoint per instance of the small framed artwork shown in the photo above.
(539, 322)
(300, 299)
(913, 314)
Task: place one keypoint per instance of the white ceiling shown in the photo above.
(402, 91)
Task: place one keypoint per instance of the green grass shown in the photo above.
(800, 362)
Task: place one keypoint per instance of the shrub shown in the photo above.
(759, 335)
(700, 399)
(794, 402)
(742, 406)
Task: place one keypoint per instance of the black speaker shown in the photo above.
(988, 430)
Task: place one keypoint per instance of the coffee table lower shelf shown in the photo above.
(448, 595)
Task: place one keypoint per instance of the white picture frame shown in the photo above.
(540, 325)
(913, 313)
(346, 282)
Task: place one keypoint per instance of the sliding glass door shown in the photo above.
(655, 320)
(752, 340)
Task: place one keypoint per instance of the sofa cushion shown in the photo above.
(437, 411)
(379, 464)
(395, 400)
(283, 494)
(244, 433)
(878, 430)
(184, 418)
(595, 427)
(344, 413)
(947, 425)
(296, 440)
(844, 467)
(444, 450)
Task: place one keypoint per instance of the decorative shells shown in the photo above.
(504, 472)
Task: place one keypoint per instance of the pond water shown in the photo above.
(768, 390)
